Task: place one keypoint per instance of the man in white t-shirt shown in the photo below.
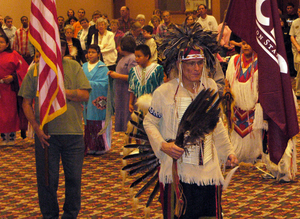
(208, 22)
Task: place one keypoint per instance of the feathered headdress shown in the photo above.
(181, 40)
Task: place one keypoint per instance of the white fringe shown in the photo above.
(287, 166)
(295, 100)
(190, 180)
(245, 94)
(247, 149)
(259, 122)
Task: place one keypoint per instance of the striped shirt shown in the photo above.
(21, 41)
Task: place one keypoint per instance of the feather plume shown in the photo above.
(200, 118)
(140, 136)
(144, 146)
(140, 163)
(146, 186)
(139, 155)
(145, 176)
(153, 194)
(140, 127)
(140, 116)
(154, 164)
(180, 38)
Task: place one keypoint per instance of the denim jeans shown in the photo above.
(70, 148)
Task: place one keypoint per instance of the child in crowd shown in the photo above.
(147, 33)
(145, 77)
(95, 109)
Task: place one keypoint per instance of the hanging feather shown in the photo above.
(153, 194)
(139, 155)
(140, 136)
(146, 186)
(140, 127)
(153, 165)
(140, 163)
(145, 146)
(227, 104)
(140, 116)
(145, 176)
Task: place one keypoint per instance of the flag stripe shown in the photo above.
(45, 37)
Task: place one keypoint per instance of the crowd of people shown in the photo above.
(108, 64)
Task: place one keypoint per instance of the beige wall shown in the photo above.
(18, 8)
(141, 7)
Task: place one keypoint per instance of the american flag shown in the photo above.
(44, 35)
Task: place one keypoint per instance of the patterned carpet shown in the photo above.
(103, 196)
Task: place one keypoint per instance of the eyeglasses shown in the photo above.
(193, 63)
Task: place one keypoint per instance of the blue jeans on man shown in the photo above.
(70, 148)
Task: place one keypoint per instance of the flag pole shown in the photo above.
(223, 26)
(46, 156)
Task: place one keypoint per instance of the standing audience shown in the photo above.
(208, 22)
(162, 29)
(125, 20)
(70, 13)
(141, 18)
(155, 21)
(77, 26)
(21, 40)
(93, 28)
(136, 33)
(61, 29)
(74, 48)
(225, 39)
(290, 15)
(9, 29)
(150, 42)
(83, 34)
(122, 114)
(105, 40)
(118, 35)
(97, 14)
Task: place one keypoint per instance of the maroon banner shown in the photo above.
(257, 22)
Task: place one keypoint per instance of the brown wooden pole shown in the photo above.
(46, 153)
